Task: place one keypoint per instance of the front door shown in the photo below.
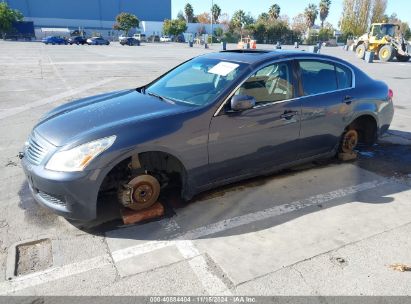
(261, 138)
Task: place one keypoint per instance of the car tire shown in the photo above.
(402, 58)
(360, 51)
(139, 193)
(386, 53)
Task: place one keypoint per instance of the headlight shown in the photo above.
(78, 158)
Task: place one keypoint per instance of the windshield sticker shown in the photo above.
(223, 68)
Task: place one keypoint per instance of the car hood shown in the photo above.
(76, 119)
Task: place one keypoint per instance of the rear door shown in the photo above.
(327, 94)
(261, 138)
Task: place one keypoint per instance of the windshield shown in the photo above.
(388, 29)
(197, 81)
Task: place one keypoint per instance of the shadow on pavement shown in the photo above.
(217, 204)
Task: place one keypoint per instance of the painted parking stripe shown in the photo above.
(17, 110)
(213, 284)
(276, 211)
(53, 274)
(50, 275)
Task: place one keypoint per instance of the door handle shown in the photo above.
(288, 114)
(347, 99)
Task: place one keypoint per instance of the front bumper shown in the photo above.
(70, 194)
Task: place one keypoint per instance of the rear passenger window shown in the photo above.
(344, 77)
(318, 77)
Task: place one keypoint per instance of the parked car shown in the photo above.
(153, 38)
(140, 37)
(215, 119)
(97, 41)
(122, 37)
(130, 41)
(165, 39)
(54, 40)
(77, 40)
(180, 38)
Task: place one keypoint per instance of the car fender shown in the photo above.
(188, 183)
(365, 108)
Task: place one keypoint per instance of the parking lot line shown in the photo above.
(198, 264)
(53, 274)
(276, 211)
(17, 110)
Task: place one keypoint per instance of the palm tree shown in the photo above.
(324, 10)
(311, 13)
(216, 12)
(189, 11)
(274, 11)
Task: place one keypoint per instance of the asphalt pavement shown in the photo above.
(328, 228)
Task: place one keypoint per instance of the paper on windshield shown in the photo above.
(223, 68)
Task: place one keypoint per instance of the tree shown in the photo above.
(204, 18)
(264, 17)
(7, 17)
(174, 27)
(299, 24)
(125, 22)
(189, 12)
(378, 11)
(310, 13)
(219, 32)
(274, 11)
(216, 12)
(355, 17)
(240, 19)
(405, 30)
(324, 10)
(180, 16)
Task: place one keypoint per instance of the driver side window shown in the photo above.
(270, 84)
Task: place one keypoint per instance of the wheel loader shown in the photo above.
(384, 42)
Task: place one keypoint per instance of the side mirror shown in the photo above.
(242, 102)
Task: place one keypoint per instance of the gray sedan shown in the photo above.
(213, 120)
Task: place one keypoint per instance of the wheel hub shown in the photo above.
(142, 193)
(139, 193)
(350, 141)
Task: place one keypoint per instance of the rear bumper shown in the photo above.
(69, 194)
(386, 115)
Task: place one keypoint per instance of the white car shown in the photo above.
(141, 37)
(122, 37)
(165, 39)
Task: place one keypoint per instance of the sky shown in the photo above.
(288, 7)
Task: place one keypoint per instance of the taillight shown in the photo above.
(390, 94)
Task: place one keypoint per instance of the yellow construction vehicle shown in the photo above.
(383, 40)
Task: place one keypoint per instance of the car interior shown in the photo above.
(270, 84)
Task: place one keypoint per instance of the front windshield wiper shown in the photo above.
(169, 100)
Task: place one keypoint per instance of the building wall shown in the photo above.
(100, 10)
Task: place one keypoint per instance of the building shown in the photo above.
(94, 16)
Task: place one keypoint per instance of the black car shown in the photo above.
(77, 40)
(130, 41)
(213, 120)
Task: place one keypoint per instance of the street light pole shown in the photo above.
(212, 5)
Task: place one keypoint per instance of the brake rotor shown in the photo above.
(350, 141)
(140, 193)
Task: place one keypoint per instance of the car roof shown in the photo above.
(255, 56)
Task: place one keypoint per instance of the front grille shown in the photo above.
(35, 152)
(57, 200)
